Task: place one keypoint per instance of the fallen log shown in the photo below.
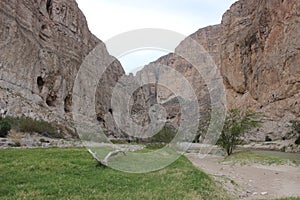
(104, 162)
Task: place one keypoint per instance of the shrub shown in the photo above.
(17, 144)
(13, 121)
(296, 126)
(29, 125)
(236, 124)
(268, 139)
(165, 135)
(298, 140)
(154, 146)
(5, 127)
(44, 128)
(283, 149)
(42, 140)
(296, 129)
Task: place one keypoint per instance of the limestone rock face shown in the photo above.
(172, 75)
(260, 55)
(175, 76)
(104, 109)
(43, 43)
(257, 50)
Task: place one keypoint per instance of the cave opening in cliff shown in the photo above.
(51, 100)
(40, 82)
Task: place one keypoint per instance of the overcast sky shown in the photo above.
(108, 18)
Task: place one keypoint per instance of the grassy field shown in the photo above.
(262, 157)
(294, 157)
(71, 173)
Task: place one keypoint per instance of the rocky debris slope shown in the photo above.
(43, 43)
(257, 50)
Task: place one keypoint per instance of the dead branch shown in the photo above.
(104, 162)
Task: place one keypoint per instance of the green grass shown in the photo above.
(71, 173)
(290, 198)
(294, 157)
(262, 157)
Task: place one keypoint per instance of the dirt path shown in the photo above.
(252, 181)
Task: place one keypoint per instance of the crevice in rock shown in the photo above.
(49, 6)
(100, 119)
(43, 27)
(68, 103)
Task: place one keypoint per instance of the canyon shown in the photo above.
(256, 48)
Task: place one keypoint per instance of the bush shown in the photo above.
(154, 146)
(29, 125)
(296, 126)
(236, 124)
(5, 127)
(296, 129)
(44, 128)
(268, 139)
(17, 144)
(165, 135)
(283, 149)
(13, 121)
(298, 140)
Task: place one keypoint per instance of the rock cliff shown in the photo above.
(257, 49)
(43, 43)
(260, 55)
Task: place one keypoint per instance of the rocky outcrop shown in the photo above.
(43, 43)
(172, 74)
(257, 50)
(260, 54)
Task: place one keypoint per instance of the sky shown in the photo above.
(109, 18)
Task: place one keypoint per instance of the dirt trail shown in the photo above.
(252, 181)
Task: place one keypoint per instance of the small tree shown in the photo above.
(4, 127)
(236, 124)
